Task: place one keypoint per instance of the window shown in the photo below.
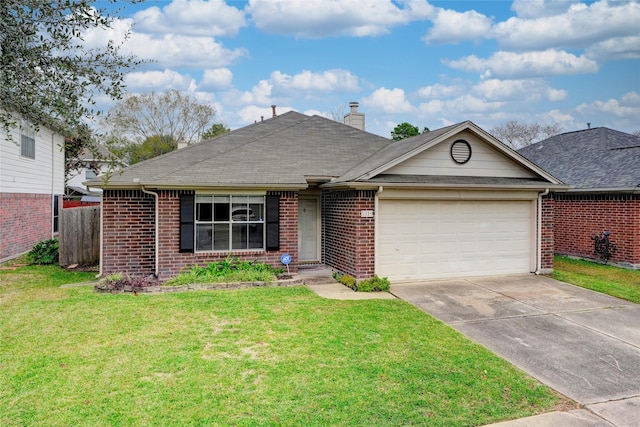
(56, 213)
(226, 223)
(90, 174)
(27, 140)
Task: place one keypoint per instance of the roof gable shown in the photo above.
(428, 155)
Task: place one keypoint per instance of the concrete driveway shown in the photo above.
(584, 344)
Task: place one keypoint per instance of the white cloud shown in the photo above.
(216, 79)
(540, 8)
(627, 107)
(578, 27)
(442, 91)
(615, 48)
(157, 80)
(253, 113)
(191, 17)
(388, 101)
(316, 19)
(528, 64)
(327, 81)
(178, 50)
(518, 90)
(450, 26)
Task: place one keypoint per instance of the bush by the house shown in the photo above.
(227, 271)
(45, 252)
(119, 282)
(374, 284)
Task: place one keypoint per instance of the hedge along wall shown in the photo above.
(578, 217)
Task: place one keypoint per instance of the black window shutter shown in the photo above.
(187, 210)
(273, 222)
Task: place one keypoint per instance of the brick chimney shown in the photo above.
(353, 118)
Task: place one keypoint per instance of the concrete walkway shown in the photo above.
(319, 279)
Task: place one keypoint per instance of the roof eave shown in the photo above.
(368, 185)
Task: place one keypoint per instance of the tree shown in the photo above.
(406, 130)
(215, 130)
(46, 73)
(518, 135)
(171, 114)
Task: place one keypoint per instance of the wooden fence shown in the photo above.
(80, 236)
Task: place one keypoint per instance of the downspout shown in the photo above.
(539, 231)
(157, 236)
(53, 178)
(375, 226)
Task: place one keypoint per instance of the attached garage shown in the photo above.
(425, 239)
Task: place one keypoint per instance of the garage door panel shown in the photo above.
(453, 238)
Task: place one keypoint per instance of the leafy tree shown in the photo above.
(215, 130)
(46, 73)
(406, 130)
(172, 114)
(135, 152)
(518, 135)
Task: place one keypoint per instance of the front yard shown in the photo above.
(264, 356)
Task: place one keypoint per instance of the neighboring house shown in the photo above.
(451, 202)
(31, 187)
(602, 166)
(91, 165)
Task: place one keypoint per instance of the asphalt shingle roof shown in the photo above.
(591, 159)
(281, 150)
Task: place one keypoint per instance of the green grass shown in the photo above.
(255, 357)
(610, 280)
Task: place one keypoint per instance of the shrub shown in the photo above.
(45, 252)
(227, 270)
(374, 284)
(117, 282)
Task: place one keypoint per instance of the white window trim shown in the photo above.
(230, 222)
(27, 130)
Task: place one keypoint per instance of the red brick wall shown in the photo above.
(129, 228)
(579, 217)
(25, 219)
(128, 243)
(547, 235)
(349, 239)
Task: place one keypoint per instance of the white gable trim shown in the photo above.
(486, 137)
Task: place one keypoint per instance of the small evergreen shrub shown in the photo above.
(45, 252)
(374, 284)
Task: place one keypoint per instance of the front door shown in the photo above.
(308, 229)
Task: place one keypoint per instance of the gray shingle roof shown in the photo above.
(280, 151)
(592, 159)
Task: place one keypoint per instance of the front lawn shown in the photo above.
(610, 280)
(263, 356)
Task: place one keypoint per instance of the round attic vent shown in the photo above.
(460, 151)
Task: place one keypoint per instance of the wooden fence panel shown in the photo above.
(80, 236)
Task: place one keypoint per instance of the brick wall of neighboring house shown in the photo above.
(26, 219)
(349, 239)
(578, 217)
(547, 235)
(172, 261)
(128, 241)
(129, 227)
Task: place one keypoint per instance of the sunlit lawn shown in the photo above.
(263, 356)
(610, 280)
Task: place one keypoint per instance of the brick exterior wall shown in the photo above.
(348, 239)
(547, 234)
(129, 228)
(128, 242)
(578, 217)
(26, 220)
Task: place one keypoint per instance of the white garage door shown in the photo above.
(421, 239)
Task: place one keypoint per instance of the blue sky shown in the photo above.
(429, 63)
